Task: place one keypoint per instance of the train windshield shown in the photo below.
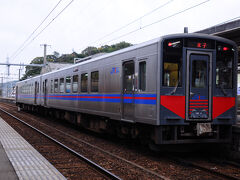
(224, 66)
(172, 62)
(199, 79)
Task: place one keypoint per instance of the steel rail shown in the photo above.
(106, 152)
(88, 161)
(194, 165)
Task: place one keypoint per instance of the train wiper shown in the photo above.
(175, 89)
(178, 82)
(223, 90)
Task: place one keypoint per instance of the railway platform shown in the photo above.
(9, 100)
(19, 160)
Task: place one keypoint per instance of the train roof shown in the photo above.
(131, 48)
(147, 43)
(198, 35)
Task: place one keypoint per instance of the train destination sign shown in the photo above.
(200, 43)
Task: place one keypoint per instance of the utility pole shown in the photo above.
(45, 54)
(1, 90)
(19, 74)
(8, 67)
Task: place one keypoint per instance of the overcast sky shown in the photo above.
(84, 22)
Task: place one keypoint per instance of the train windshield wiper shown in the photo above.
(178, 82)
(222, 89)
(175, 88)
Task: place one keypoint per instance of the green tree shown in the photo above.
(69, 58)
(56, 54)
(114, 47)
(90, 51)
(33, 71)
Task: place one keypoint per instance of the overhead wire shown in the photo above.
(98, 12)
(150, 24)
(227, 21)
(53, 19)
(35, 29)
(45, 27)
(150, 12)
(24, 45)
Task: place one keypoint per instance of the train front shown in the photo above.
(198, 87)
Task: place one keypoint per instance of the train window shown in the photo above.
(84, 82)
(75, 84)
(61, 85)
(128, 76)
(52, 86)
(224, 66)
(172, 63)
(142, 76)
(68, 84)
(199, 74)
(94, 81)
(55, 85)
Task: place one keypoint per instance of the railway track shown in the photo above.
(97, 167)
(144, 167)
(213, 168)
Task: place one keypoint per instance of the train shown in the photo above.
(175, 89)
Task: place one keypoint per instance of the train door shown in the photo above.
(45, 91)
(35, 93)
(199, 84)
(128, 91)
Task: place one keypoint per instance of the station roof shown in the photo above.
(229, 30)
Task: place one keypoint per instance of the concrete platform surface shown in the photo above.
(6, 169)
(19, 160)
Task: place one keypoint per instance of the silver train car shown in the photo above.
(175, 89)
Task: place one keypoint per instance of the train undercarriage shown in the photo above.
(145, 134)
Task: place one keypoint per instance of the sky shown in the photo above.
(94, 23)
